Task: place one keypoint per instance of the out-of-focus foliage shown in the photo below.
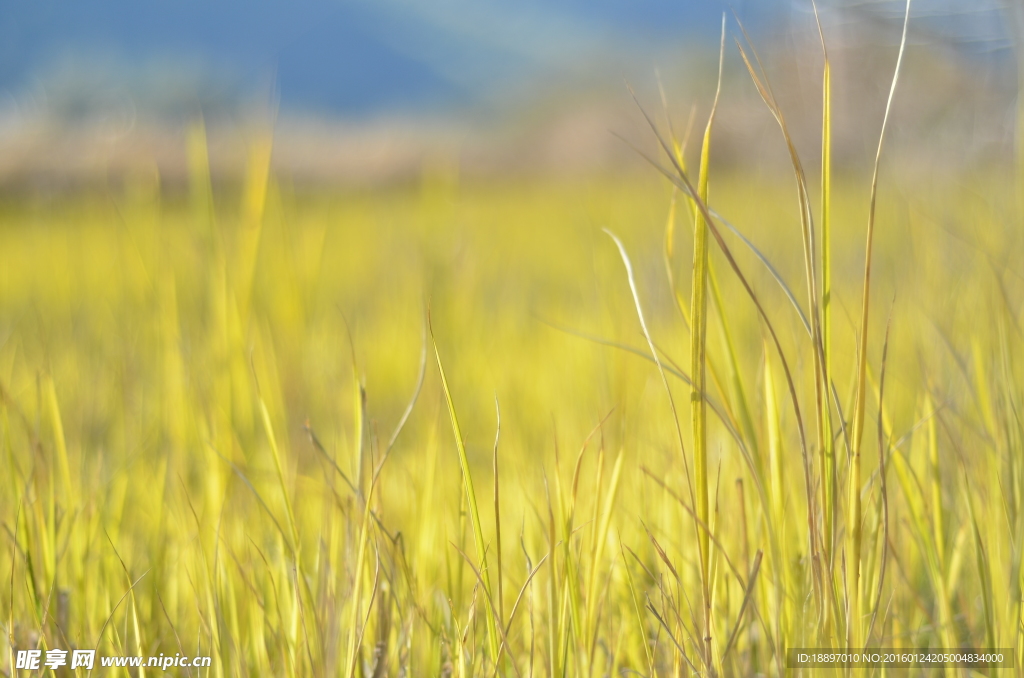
(166, 361)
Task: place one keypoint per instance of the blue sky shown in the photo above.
(337, 56)
(363, 57)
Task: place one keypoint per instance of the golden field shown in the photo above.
(224, 428)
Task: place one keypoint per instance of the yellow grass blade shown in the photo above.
(474, 510)
(698, 361)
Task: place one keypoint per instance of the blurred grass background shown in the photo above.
(140, 332)
(204, 362)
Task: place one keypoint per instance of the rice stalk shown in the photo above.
(829, 471)
(698, 350)
(854, 517)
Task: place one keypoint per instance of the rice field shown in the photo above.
(612, 425)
